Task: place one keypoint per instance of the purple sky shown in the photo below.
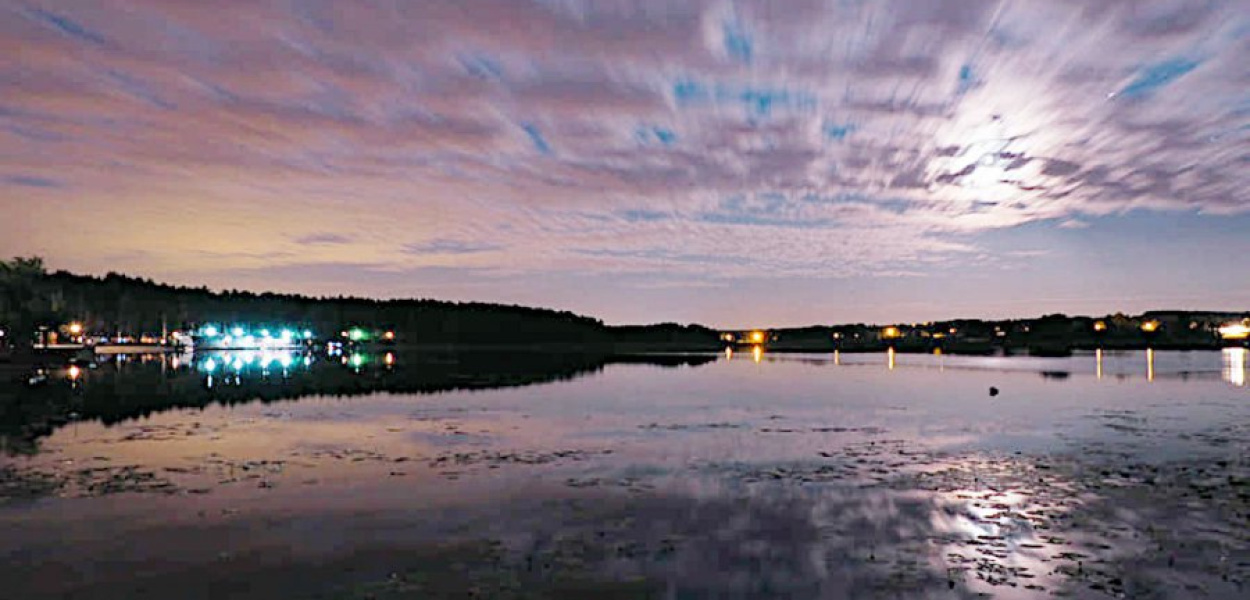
(732, 163)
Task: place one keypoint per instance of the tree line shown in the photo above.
(31, 297)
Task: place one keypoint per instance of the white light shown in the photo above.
(237, 332)
(1235, 366)
(210, 331)
(210, 365)
(1235, 331)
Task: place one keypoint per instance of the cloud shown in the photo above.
(32, 181)
(323, 239)
(821, 140)
(445, 246)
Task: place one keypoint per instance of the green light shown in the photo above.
(358, 360)
(357, 334)
(307, 334)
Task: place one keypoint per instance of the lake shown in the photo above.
(529, 475)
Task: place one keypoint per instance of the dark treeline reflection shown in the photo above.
(129, 388)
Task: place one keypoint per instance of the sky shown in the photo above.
(736, 164)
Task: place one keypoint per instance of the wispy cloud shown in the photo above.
(823, 139)
(324, 239)
(450, 247)
(32, 181)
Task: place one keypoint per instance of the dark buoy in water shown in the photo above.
(993, 391)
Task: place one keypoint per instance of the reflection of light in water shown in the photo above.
(757, 353)
(729, 353)
(890, 357)
(390, 359)
(74, 372)
(837, 357)
(1235, 366)
(1098, 360)
(1150, 364)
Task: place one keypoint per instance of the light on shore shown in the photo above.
(1235, 331)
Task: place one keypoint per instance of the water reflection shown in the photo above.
(757, 353)
(726, 481)
(1098, 360)
(890, 358)
(1150, 364)
(120, 388)
(1235, 360)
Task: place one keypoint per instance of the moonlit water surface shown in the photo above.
(749, 476)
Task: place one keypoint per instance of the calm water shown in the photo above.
(426, 475)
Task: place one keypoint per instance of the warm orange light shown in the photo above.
(728, 337)
(389, 358)
(1150, 326)
(74, 372)
(75, 328)
(757, 336)
(890, 357)
(1100, 326)
(390, 335)
(757, 353)
(1235, 331)
(891, 332)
